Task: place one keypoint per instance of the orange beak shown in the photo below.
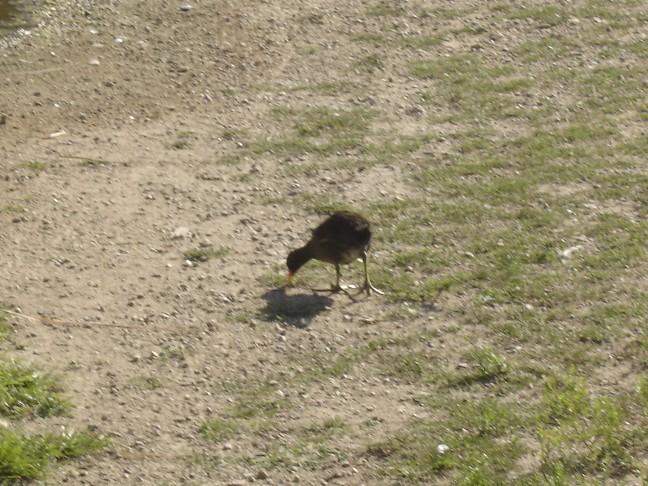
(291, 277)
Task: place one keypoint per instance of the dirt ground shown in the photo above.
(115, 129)
(101, 208)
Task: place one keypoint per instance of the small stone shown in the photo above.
(442, 448)
(180, 232)
(262, 475)
(185, 7)
(334, 475)
(569, 251)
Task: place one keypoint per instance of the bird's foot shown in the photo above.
(367, 287)
(341, 288)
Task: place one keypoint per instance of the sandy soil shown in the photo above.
(101, 207)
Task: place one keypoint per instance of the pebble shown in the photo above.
(180, 232)
(262, 475)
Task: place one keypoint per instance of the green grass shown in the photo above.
(204, 254)
(93, 163)
(35, 166)
(183, 140)
(149, 383)
(311, 445)
(523, 216)
(27, 393)
(255, 405)
(495, 239)
(577, 434)
(386, 8)
(320, 131)
(25, 458)
(331, 88)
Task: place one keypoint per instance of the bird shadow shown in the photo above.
(296, 310)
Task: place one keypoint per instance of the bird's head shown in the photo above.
(294, 262)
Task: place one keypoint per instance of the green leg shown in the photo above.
(367, 287)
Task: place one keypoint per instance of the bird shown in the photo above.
(343, 237)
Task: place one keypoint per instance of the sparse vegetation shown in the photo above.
(183, 140)
(35, 166)
(93, 163)
(26, 393)
(204, 254)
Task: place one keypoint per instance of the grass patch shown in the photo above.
(255, 405)
(183, 140)
(386, 8)
(479, 441)
(470, 444)
(28, 457)
(483, 366)
(149, 383)
(528, 209)
(35, 166)
(219, 429)
(204, 254)
(320, 131)
(311, 445)
(93, 163)
(26, 392)
(331, 88)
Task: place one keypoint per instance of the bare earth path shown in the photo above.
(143, 341)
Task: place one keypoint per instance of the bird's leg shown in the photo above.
(337, 287)
(367, 287)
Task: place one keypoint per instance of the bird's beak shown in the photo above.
(291, 277)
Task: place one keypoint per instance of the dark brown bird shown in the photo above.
(344, 237)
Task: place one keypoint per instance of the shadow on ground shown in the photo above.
(296, 310)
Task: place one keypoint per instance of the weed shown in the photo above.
(93, 163)
(183, 140)
(148, 383)
(27, 457)
(218, 430)
(321, 131)
(487, 367)
(35, 166)
(386, 8)
(204, 254)
(27, 392)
